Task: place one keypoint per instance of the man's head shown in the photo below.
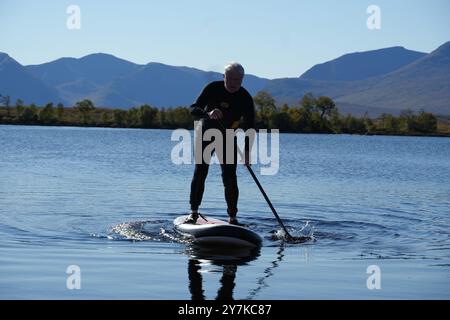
(233, 76)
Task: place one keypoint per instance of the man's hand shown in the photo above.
(216, 114)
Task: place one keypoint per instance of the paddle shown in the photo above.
(289, 237)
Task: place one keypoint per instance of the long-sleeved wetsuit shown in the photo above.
(234, 106)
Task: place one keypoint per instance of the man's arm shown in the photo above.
(198, 107)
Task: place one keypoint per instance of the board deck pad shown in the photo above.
(209, 220)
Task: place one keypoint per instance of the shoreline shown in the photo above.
(68, 125)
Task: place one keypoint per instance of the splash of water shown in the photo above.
(174, 237)
(132, 231)
(306, 233)
(144, 231)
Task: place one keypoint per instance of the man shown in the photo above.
(221, 105)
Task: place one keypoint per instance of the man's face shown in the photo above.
(233, 81)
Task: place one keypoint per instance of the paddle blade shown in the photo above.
(306, 233)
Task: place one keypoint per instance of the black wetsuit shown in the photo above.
(234, 106)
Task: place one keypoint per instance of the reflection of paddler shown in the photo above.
(225, 291)
(195, 280)
(225, 258)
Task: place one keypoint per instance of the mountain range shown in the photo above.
(385, 80)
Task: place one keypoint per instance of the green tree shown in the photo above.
(294, 119)
(389, 123)
(60, 111)
(324, 105)
(306, 111)
(161, 118)
(308, 102)
(305, 124)
(426, 122)
(266, 106)
(407, 120)
(319, 124)
(264, 101)
(29, 114)
(354, 125)
(47, 114)
(336, 121)
(280, 120)
(6, 100)
(132, 118)
(182, 117)
(85, 107)
(104, 118)
(368, 123)
(19, 107)
(119, 118)
(148, 116)
(169, 120)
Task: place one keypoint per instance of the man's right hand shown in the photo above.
(216, 114)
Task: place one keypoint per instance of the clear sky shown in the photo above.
(272, 39)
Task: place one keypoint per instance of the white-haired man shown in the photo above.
(221, 105)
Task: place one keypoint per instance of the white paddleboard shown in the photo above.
(217, 232)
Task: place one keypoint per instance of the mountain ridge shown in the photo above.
(362, 65)
(410, 79)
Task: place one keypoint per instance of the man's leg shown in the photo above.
(231, 188)
(198, 182)
(230, 180)
(198, 185)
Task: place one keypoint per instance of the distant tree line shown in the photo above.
(311, 115)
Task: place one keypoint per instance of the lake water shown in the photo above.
(104, 200)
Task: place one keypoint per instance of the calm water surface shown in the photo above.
(104, 200)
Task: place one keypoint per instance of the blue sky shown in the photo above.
(271, 39)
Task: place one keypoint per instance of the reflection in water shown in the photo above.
(268, 272)
(228, 259)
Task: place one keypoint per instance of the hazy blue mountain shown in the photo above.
(385, 80)
(17, 82)
(363, 65)
(113, 82)
(76, 79)
(163, 86)
(156, 84)
(423, 84)
(97, 68)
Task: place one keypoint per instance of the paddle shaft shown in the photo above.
(260, 187)
(267, 199)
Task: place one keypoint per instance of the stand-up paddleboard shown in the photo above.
(217, 232)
